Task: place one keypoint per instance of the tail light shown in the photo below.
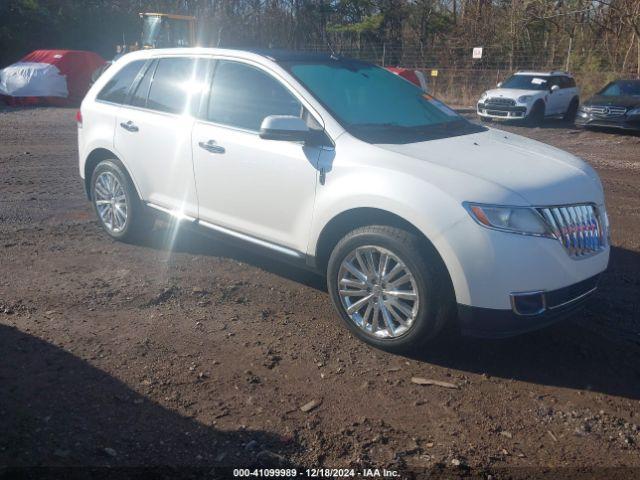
(79, 118)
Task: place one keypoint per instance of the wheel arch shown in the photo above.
(96, 156)
(348, 220)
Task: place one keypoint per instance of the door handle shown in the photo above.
(211, 146)
(129, 126)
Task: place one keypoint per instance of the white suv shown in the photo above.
(418, 217)
(533, 96)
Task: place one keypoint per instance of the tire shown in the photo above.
(116, 203)
(536, 115)
(430, 309)
(570, 114)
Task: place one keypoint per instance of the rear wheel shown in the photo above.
(120, 212)
(389, 291)
(570, 114)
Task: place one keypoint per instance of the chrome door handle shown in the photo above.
(211, 146)
(129, 126)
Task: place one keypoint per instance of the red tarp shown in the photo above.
(55, 77)
(414, 76)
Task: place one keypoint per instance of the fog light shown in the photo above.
(529, 303)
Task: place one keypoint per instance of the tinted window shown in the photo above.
(139, 97)
(177, 85)
(622, 88)
(555, 81)
(242, 96)
(117, 88)
(566, 82)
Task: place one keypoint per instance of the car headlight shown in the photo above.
(635, 111)
(522, 220)
(524, 98)
(483, 97)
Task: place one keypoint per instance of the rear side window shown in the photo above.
(139, 97)
(242, 96)
(117, 88)
(177, 85)
(567, 82)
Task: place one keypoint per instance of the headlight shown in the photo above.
(522, 220)
(483, 97)
(635, 111)
(524, 98)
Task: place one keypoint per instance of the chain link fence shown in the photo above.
(458, 79)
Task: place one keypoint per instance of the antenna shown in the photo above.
(333, 53)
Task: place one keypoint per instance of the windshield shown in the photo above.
(619, 89)
(526, 82)
(377, 106)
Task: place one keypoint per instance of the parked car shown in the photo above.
(531, 96)
(616, 105)
(417, 217)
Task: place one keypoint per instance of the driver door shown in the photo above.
(264, 189)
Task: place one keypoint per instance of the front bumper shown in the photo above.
(497, 323)
(584, 119)
(501, 111)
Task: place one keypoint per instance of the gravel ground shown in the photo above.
(185, 351)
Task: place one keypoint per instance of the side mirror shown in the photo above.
(554, 88)
(285, 128)
(499, 84)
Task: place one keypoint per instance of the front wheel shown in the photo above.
(390, 291)
(536, 115)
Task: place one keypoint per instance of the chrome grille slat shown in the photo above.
(577, 227)
(607, 110)
(497, 101)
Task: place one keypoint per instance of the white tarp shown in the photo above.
(30, 79)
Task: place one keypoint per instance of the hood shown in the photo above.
(534, 172)
(623, 101)
(512, 92)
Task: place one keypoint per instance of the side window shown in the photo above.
(117, 88)
(242, 96)
(139, 97)
(568, 82)
(178, 84)
(554, 81)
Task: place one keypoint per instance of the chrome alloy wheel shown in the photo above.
(111, 202)
(378, 292)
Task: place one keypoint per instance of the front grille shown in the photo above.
(507, 102)
(607, 111)
(578, 227)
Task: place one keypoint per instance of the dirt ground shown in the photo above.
(186, 351)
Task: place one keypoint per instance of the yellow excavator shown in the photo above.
(165, 30)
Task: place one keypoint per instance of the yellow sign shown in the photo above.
(434, 73)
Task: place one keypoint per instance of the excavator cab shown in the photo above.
(162, 30)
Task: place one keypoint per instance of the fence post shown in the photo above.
(384, 52)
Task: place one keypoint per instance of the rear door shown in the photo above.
(262, 188)
(153, 132)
